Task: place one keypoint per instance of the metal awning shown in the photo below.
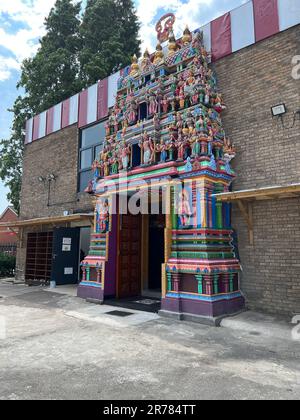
(266, 193)
(245, 198)
(48, 220)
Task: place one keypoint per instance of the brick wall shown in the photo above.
(56, 154)
(252, 81)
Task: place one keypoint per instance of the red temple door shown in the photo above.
(129, 283)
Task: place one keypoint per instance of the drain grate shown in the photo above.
(119, 313)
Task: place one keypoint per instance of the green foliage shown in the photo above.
(52, 74)
(109, 36)
(11, 152)
(71, 55)
(7, 265)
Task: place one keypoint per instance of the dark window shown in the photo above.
(143, 111)
(136, 155)
(91, 145)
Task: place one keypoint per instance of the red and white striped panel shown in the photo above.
(83, 101)
(36, 128)
(70, 111)
(29, 131)
(93, 103)
(112, 88)
(88, 106)
(74, 108)
(289, 13)
(54, 119)
(221, 44)
(207, 36)
(102, 106)
(242, 26)
(266, 19)
(42, 124)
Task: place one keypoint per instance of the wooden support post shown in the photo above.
(247, 211)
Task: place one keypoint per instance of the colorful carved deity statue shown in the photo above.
(162, 149)
(132, 110)
(102, 215)
(165, 104)
(153, 104)
(171, 147)
(196, 145)
(147, 148)
(181, 98)
(182, 145)
(125, 153)
(156, 122)
(146, 61)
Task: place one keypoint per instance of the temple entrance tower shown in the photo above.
(165, 129)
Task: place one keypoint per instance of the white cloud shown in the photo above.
(24, 42)
(186, 13)
(6, 66)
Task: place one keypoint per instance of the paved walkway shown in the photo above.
(58, 346)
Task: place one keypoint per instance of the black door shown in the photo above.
(156, 256)
(65, 257)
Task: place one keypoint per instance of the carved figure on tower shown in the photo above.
(162, 148)
(147, 147)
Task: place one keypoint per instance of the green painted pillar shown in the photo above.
(199, 278)
(88, 273)
(174, 215)
(219, 206)
(231, 276)
(169, 282)
(216, 284)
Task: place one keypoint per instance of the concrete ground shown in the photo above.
(56, 346)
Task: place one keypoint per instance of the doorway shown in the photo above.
(156, 254)
(129, 272)
(65, 256)
(141, 255)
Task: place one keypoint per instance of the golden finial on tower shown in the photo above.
(172, 46)
(135, 68)
(146, 61)
(187, 36)
(159, 55)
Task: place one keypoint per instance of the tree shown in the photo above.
(71, 55)
(11, 152)
(109, 37)
(48, 78)
(52, 74)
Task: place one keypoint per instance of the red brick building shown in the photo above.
(8, 238)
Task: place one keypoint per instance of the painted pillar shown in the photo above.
(203, 207)
(199, 279)
(225, 281)
(208, 285)
(173, 207)
(176, 282)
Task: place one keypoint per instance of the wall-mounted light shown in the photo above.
(278, 110)
(41, 179)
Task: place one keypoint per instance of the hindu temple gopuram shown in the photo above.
(172, 185)
(165, 131)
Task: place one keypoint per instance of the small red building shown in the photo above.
(8, 239)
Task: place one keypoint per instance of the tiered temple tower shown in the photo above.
(166, 128)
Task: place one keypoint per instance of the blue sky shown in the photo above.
(21, 26)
